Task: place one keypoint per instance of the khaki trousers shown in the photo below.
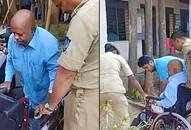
(81, 110)
(119, 119)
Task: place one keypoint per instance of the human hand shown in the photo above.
(6, 85)
(188, 85)
(40, 110)
(144, 98)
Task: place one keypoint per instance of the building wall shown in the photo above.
(170, 3)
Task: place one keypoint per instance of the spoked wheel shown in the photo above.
(170, 121)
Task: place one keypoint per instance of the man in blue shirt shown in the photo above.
(176, 77)
(159, 65)
(33, 53)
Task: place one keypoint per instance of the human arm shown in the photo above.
(187, 57)
(62, 84)
(163, 84)
(51, 63)
(133, 82)
(131, 78)
(9, 70)
(168, 96)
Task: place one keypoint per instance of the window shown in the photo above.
(116, 26)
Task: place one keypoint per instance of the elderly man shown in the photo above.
(33, 53)
(176, 77)
(79, 67)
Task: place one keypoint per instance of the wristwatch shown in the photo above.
(47, 106)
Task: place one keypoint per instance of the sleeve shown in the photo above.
(9, 69)
(78, 42)
(168, 96)
(187, 57)
(125, 67)
(161, 68)
(51, 64)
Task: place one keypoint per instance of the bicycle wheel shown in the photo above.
(170, 121)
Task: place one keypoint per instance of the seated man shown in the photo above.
(176, 77)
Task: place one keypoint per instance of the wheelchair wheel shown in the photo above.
(170, 121)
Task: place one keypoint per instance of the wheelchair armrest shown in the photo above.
(154, 98)
(3, 91)
(43, 120)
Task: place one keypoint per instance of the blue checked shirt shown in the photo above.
(36, 65)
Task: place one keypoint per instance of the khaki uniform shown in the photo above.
(186, 50)
(112, 89)
(81, 54)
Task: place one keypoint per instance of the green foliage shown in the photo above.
(135, 95)
(111, 120)
(59, 31)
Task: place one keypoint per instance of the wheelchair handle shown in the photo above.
(154, 98)
(3, 91)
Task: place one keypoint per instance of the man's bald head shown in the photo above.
(23, 18)
(175, 66)
(23, 26)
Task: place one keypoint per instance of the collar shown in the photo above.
(175, 76)
(33, 41)
(187, 42)
(78, 7)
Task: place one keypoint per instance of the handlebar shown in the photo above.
(154, 98)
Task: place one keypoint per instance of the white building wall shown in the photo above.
(103, 26)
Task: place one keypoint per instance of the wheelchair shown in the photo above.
(174, 118)
(14, 114)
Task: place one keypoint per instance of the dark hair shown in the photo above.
(177, 34)
(110, 48)
(143, 60)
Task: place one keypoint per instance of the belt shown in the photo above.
(83, 91)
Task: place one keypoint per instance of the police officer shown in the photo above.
(79, 67)
(183, 44)
(112, 89)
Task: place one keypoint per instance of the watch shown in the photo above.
(47, 106)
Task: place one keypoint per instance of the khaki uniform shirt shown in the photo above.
(186, 50)
(81, 45)
(110, 67)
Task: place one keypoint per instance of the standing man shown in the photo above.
(33, 53)
(160, 66)
(183, 44)
(79, 67)
(111, 86)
